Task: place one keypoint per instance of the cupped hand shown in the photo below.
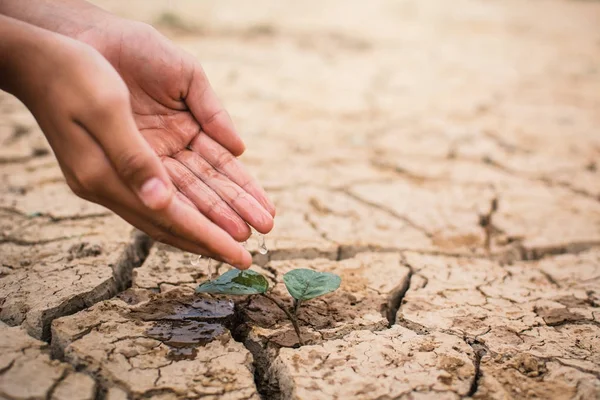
(85, 110)
(178, 113)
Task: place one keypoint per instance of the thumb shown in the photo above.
(143, 172)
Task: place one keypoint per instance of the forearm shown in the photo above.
(19, 44)
(77, 19)
(67, 17)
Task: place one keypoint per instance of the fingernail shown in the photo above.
(268, 204)
(237, 265)
(264, 221)
(234, 264)
(154, 194)
(245, 263)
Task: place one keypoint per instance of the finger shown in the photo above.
(192, 224)
(206, 200)
(239, 200)
(110, 121)
(224, 162)
(163, 236)
(184, 199)
(157, 233)
(182, 229)
(178, 218)
(210, 114)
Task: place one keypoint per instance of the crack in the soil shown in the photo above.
(52, 218)
(479, 351)
(22, 242)
(62, 377)
(5, 160)
(395, 301)
(293, 254)
(6, 368)
(543, 179)
(349, 251)
(133, 256)
(315, 227)
(537, 253)
(574, 322)
(577, 367)
(263, 353)
(550, 278)
(388, 211)
(267, 384)
(514, 252)
(100, 394)
(344, 252)
(267, 387)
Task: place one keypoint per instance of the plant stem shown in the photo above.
(291, 317)
(296, 307)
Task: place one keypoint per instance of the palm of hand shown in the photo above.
(179, 115)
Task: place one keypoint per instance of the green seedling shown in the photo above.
(302, 284)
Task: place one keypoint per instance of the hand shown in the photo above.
(178, 113)
(83, 106)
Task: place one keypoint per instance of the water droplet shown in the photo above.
(196, 261)
(210, 272)
(262, 247)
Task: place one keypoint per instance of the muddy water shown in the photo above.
(185, 326)
(184, 337)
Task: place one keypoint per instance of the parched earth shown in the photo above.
(442, 157)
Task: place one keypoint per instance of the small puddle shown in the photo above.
(184, 337)
(184, 327)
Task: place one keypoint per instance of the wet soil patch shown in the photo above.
(184, 337)
(183, 325)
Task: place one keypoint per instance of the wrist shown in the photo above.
(77, 19)
(34, 62)
(107, 34)
(67, 17)
(19, 44)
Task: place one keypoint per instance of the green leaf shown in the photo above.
(236, 282)
(306, 284)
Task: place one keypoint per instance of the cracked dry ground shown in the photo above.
(441, 157)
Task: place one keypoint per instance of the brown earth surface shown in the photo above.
(442, 157)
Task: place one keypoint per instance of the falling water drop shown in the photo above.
(262, 247)
(210, 271)
(196, 261)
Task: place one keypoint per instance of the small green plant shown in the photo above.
(302, 284)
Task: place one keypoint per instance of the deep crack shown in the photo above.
(50, 392)
(395, 301)
(133, 256)
(479, 351)
(266, 386)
